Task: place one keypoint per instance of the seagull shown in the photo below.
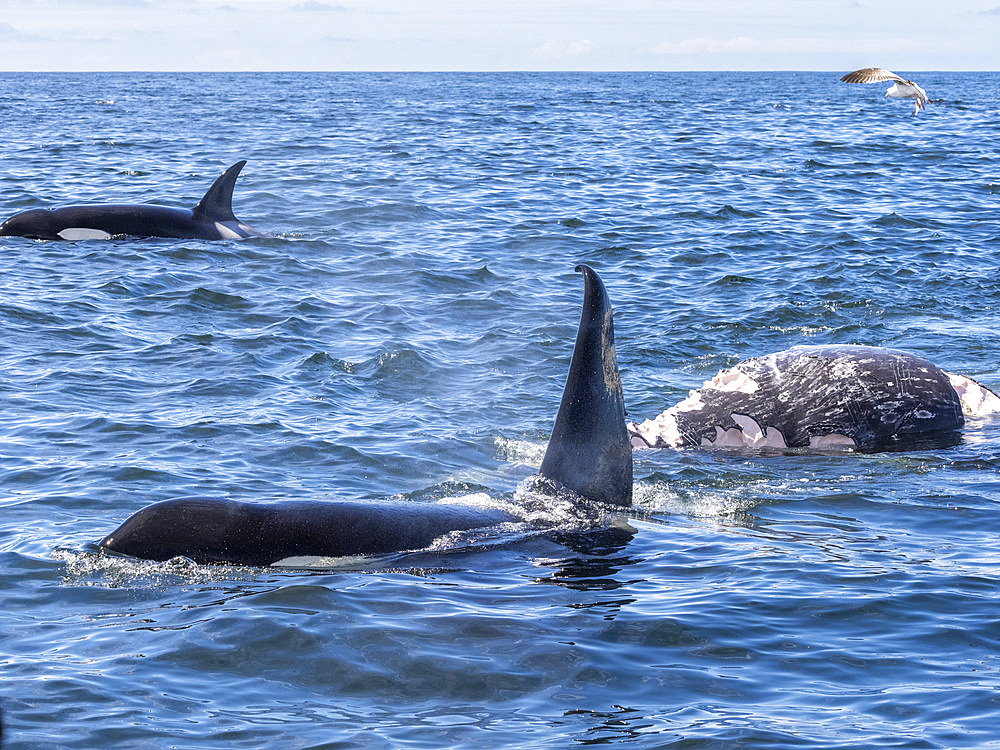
(901, 88)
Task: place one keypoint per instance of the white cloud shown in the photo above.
(509, 35)
(553, 50)
(703, 45)
(788, 45)
(11, 34)
(311, 6)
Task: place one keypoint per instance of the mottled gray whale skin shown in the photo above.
(862, 397)
(588, 453)
(211, 219)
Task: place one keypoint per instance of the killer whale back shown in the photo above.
(588, 452)
(211, 219)
(216, 530)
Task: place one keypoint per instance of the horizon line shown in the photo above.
(471, 71)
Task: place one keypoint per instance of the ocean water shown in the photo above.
(404, 332)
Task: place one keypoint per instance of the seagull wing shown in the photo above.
(872, 75)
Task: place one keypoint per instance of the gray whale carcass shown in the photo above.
(211, 219)
(588, 453)
(862, 397)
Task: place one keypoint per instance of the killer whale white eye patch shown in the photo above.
(84, 233)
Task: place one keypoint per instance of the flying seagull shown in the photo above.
(901, 88)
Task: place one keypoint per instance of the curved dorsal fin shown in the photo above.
(217, 204)
(589, 451)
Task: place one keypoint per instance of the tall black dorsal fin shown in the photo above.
(217, 204)
(589, 451)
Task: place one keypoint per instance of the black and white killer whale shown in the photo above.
(211, 219)
(861, 397)
(588, 453)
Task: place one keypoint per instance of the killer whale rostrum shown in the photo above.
(821, 397)
(211, 219)
(588, 454)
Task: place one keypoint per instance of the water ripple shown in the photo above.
(404, 332)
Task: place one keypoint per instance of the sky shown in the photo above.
(484, 35)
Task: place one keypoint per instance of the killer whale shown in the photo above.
(211, 219)
(588, 453)
(863, 397)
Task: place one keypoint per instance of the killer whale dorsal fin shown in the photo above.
(217, 203)
(589, 451)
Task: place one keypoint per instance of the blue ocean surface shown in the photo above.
(404, 331)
